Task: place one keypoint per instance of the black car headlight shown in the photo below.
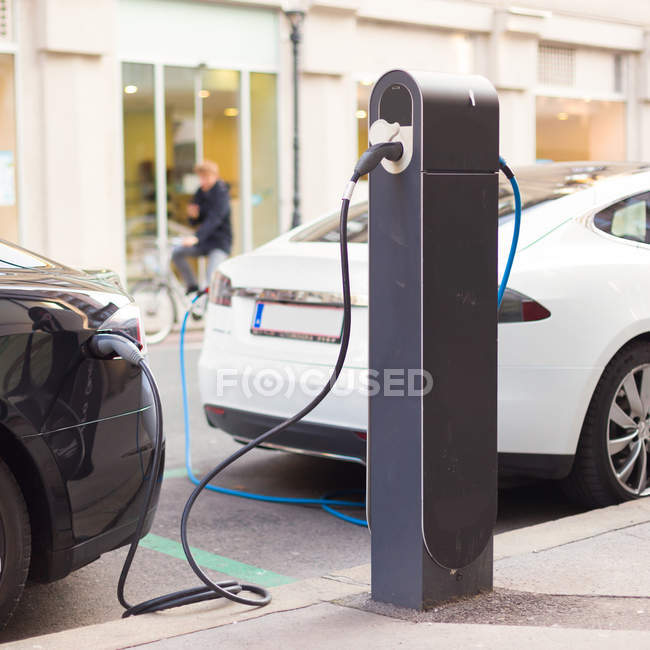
(127, 319)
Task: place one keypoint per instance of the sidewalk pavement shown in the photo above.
(577, 582)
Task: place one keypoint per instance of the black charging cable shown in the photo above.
(106, 344)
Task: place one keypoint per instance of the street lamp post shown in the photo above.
(295, 12)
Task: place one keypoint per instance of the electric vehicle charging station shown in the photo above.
(432, 455)
(432, 452)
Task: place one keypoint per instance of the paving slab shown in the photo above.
(612, 564)
(574, 582)
(331, 626)
(509, 607)
(571, 529)
(138, 630)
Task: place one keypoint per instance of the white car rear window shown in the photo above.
(537, 184)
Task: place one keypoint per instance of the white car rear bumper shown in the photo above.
(540, 409)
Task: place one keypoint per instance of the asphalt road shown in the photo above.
(261, 542)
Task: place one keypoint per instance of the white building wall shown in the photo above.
(339, 50)
(69, 104)
(285, 127)
(70, 140)
(620, 11)
(30, 125)
(384, 46)
(81, 158)
(327, 102)
(517, 125)
(642, 93)
(327, 143)
(190, 33)
(346, 40)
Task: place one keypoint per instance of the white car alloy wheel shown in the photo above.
(629, 431)
(611, 464)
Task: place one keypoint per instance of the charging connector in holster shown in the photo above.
(108, 344)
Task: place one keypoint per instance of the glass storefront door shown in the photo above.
(580, 129)
(139, 163)
(220, 91)
(202, 120)
(180, 146)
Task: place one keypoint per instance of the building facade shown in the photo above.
(106, 105)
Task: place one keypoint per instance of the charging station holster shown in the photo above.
(432, 453)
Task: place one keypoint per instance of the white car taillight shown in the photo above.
(518, 308)
(220, 290)
(127, 319)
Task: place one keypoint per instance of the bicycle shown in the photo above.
(160, 295)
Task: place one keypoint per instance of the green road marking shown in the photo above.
(174, 473)
(219, 563)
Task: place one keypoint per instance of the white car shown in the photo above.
(574, 334)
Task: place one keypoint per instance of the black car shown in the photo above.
(75, 445)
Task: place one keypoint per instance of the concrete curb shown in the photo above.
(555, 533)
(147, 628)
(138, 630)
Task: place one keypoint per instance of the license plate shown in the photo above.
(321, 323)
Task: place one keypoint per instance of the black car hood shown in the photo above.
(59, 298)
(60, 277)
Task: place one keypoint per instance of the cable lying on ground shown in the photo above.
(107, 344)
(327, 502)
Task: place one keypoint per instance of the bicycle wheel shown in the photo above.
(158, 308)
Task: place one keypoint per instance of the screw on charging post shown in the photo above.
(432, 453)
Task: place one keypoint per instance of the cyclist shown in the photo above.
(209, 212)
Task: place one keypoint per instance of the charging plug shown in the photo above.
(370, 158)
(106, 345)
(375, 154)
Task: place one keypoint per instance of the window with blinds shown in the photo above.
(556, 65)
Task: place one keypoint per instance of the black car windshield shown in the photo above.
(537, 183)
(13, 257)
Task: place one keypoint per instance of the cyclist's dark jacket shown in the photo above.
(213, 222)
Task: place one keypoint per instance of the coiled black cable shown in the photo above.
(230, 589)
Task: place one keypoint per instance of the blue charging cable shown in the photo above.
(515, 235)
(328, 502)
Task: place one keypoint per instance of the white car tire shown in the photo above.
(611, 463)
(15, 544)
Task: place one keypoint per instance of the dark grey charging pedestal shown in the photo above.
(432, 448)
